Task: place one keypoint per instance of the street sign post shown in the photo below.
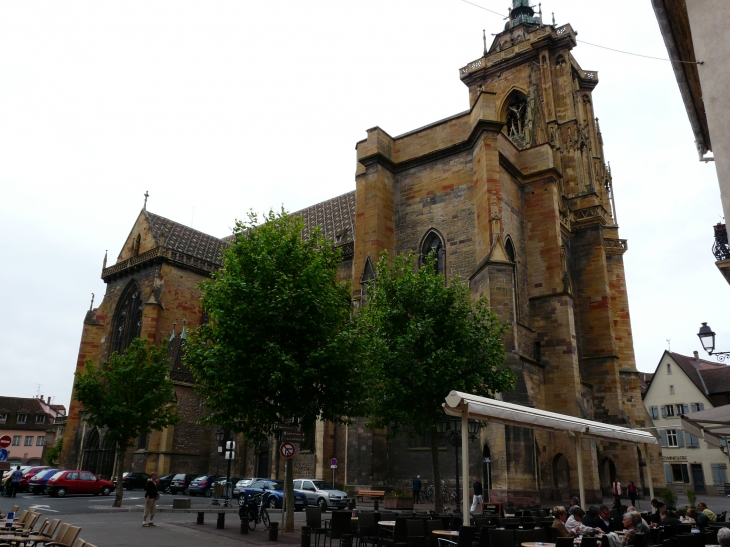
(4, 454)
(5, 441)
(287, 450)
(294, 436)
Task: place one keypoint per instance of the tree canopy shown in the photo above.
(427, 338)
(129, 395)
(277, 344)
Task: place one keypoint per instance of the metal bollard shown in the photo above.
(221, 521)
(351, 504)
(375, 505)
(201, 518)
(244, 526)
(306, 536)
(273, 531)
(346, 540)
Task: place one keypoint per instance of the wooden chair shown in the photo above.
(68, 539)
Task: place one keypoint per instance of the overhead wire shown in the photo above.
(604, 47)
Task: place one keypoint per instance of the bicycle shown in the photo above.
(251, 508)
(427, 494)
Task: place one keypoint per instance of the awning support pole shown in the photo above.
(465, 505)
(579, 459)
(648, 472)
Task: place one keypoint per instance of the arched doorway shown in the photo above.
(606, 475)
(98, 456)
(487, 471)
(561, 476)
(261, 465)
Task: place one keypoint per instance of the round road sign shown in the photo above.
(287, 450)
(333, 461)
(5, 441)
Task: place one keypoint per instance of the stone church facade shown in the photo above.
(515, 197)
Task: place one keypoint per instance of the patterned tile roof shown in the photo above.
(184, 239)
(335, 216)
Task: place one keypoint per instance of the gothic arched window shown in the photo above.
(127, 322)
(517, 118)
(433, 243)
(509, 249)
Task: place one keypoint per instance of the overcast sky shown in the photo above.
(220, 107)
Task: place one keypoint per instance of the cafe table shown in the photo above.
(536, 544)
(386, 522)
(445, 533)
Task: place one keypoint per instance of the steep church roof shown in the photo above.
(181, 238)
(335, 216)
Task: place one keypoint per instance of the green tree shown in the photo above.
(427, 338)
(130, 395)
(54, 453)
(279, 343)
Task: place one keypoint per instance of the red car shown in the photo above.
(29, 474)
(78, 482)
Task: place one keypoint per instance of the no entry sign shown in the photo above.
(5, 441)
(287, 450)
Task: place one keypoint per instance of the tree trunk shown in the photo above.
(119, 466)
(289, 494)
(437, 502)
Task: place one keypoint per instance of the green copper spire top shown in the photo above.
(523, 12)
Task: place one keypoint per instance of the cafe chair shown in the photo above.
(501, 538)
(367, 529)
(394, 536)
(564, 542)
(416, 532)
(314, 521)
(465, 539)
(337, 526)
(589, 542)
(523, 536)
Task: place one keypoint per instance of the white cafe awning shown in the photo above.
(491, 410)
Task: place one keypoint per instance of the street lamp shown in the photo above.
(449, 429)
(707, 337)
(220, 434)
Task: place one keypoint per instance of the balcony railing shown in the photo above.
(720, 248)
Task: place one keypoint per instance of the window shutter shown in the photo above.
(680, 438)
(701, 406)
(663, 436)
(668, 472)
(685, 473)
(664, 411)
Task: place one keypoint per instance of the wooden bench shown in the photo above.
(370, 494)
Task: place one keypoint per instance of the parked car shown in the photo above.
(29, 474)
(203, 485)
(321, 493)
(37, 484)
(131, 480)
(240, 485)
(273, 491)
(163, 482)
(181, 482)
(78, 482)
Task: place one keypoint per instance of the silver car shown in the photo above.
(321, 493)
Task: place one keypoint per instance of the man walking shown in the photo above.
(15, 481)
(616, 488)
(633, 492)
(417, 489)
(477, 501)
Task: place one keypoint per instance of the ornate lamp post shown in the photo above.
(449, 429)
(707, 337)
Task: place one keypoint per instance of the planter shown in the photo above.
(399, 503)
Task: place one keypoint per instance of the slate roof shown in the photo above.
(184, 239)
(26, 405)
(710, 377)
(335, 216)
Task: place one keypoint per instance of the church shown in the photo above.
(514, 194)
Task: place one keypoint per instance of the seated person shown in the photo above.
(616, 504)
(575, 525)
(632, 509)
(561, 516)
(641, 526)
(629, 522)
(702, 506)
(700, 519)
(723, 537)
(592, 518)
(604, 519)
(657, 507)
(668, 521)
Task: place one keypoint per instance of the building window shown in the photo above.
(676, 472)
(696, 407)
(667, 411)
(16, 440)
(654, 412)
(682, 408)
(669, 368)
(672, 438)
(127, 322)
(432, 243)
(691, 441)
(29, 440)
(41, 441)
(671, 390)
(40, 418)
(22, 418)
(719, 473)
(3, 418)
